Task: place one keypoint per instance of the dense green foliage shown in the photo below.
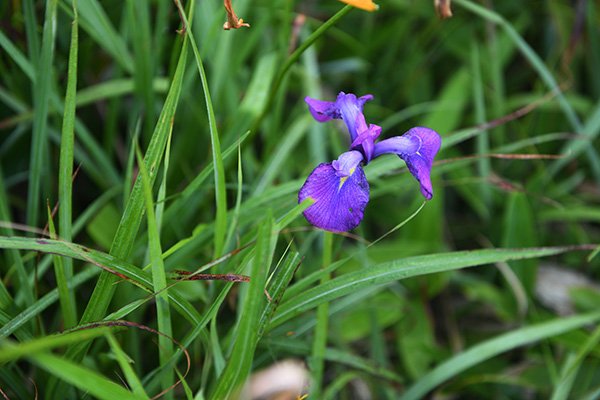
(138, 139)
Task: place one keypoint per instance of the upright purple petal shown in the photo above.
(417, 148)
(351, 111)
(340, 192)
(347, 107)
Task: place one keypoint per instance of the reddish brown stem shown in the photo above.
(189, 276)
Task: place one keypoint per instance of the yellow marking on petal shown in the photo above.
(343, 178)
(366, 5)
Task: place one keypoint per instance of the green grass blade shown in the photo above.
(31, 26)
(81, 377)
(97, 24)
(337, 385)
(43, 303)
(240, 362)
(572, 365)
(95, 93)
(10, 351)
(483, 147)
(217, 157)
(403, 269)
(294, 57)
(283, 151)
(144, 67)
(312, 84)
(293, 214)
(159, 279)
(233, 225)
(565, 384)
(65, 170)
(337, 356)
(132, 379)
(123, 269)
(215, 347)
(571, 214)
(210, 314)
(544, 74)
(5, 298)
(130, 166)
(115, 88)
(130, 222)
(196, 184)
(282, 276)
(574, 148)
(529, 54)
(321, 328)
(67, 303)
(13, 256)
(493, 347)
(13, 52)
(38, 170)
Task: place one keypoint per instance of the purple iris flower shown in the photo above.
(339, 189)
(346, 107)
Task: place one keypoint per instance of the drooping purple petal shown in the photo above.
(417, 148)
(321, 110)
(366, 140)
(340, 192)
(346, 107)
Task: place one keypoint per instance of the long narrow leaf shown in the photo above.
(82, 377)
(41, 99)
(159, 279)
(219, 171)
(403, 269)
(239, 364)
(65, 181)
(493, 347)
(130, 222)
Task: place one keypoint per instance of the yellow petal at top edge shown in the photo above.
(366, 5)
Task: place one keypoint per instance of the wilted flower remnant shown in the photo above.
(442, 7)
(339, 189)
(233, 22)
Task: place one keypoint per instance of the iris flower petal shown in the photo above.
(366, 140)
(351, 111)
(321, 110)
(340, 192)
(347, 107)
(417, 148)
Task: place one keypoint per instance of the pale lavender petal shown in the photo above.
(417, 148)
(366, 140)
(347, 163)
(339, 202)
(322, 110)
